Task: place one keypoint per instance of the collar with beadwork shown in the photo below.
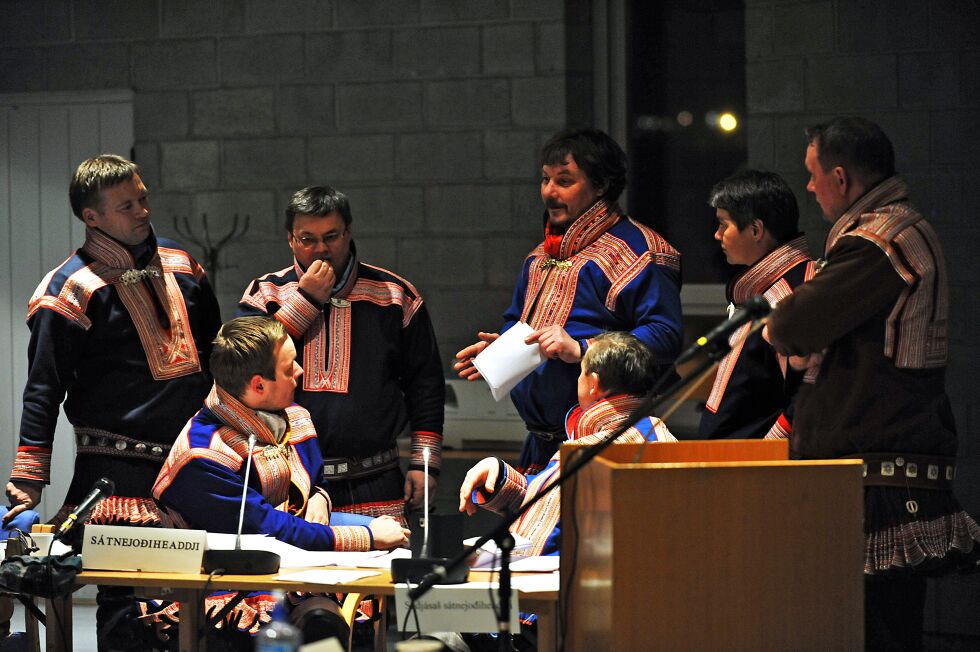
(604, 415)
(113, 254)
(889, 191)
(587, 228)
(760, 275)
(239, 416)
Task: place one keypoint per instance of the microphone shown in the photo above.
(425, 504)
(104, 487)
(415, 569)
(755, 308)
(238, 561)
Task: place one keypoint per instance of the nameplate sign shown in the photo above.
(150, 550)
(456, 608)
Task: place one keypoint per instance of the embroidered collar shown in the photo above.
(152, 299)
(585, 230)
(889, 191)
(760, 276)
(602, 416)
(114, 254)
(239, 416)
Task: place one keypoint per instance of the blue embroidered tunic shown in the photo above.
(612, 274)
(203, 477)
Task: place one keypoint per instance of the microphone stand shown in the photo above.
(501, 532)
(238, 561)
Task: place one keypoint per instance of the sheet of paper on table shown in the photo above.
(537, 583)
(383, 560)
(508, 360)
(537, 564)
(290, 556)
(488, 557)
(327, 576)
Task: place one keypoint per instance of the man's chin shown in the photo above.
(559, 223)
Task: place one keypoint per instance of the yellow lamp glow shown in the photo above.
(727, 122)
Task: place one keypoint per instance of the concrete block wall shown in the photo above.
(426, 112)
(912, 67)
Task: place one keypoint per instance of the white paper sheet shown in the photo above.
(508, 360)
(539, 583)
(289, 555)
(384, 560)
(327, 576)
(537, 564)
(488, 558)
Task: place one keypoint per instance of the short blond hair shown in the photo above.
(244, 347)
(623, 363)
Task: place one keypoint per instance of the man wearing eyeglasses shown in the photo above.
(369, 352)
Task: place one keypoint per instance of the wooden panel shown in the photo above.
(25, 210)
(43, 137)
(734, 556)
(8, 385)
(716, 450)
(54, 170)
(83, 143)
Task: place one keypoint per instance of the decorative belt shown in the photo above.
(346, 468)
(905, 470)
(546, 435)
(93, 441)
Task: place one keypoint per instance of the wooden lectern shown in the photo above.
(712, 545)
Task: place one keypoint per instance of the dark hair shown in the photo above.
(755, 194)
(94, 174)
(857, 145)
(598, 155)
(244, 347)
(319, 201)
(623, 363)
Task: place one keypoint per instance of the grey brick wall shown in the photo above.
(913, 67)
(428, 112)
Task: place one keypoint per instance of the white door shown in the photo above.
(43, 138)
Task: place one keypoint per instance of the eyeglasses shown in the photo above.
(309, 241)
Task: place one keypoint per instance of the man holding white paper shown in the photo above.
(597, 270)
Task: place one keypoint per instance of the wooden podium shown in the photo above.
(712, 545)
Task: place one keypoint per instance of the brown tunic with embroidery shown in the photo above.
(878, 308)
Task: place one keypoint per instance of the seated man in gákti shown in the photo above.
(202, 480)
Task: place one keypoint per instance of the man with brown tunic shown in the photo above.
(872, 325)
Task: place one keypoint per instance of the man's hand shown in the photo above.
(556, 344)
(798, 362)
(318, 509)
(804, 362)
(318, 280)
(388, 533)
(415, 489)
(483, 476)
(464, 365)
(22, 496)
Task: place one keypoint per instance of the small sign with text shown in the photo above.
(470, 607)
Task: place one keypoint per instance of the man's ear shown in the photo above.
(758, 230)
(89, 216)
(842, 179)
(257, 384)
(595, 388)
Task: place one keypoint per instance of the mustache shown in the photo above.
(551, 203)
